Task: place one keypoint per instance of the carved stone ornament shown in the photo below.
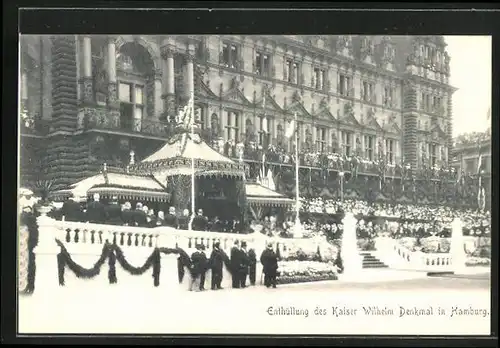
(323, 103)
(367, 48)
(348, 110)
(296, 96)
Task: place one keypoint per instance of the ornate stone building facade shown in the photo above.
(89, 100)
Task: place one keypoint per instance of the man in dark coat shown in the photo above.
(199, 266)
(269, 262)
(252, 265)
(113, 212)
(140, 217)
(127, 214)
(71, 210)
(200, 222)
(171, 218)
(216, 263)
(235, 264)
(183, 220)
(95, 211)
(243, 267)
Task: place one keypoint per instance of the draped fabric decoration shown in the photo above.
(181, 185)
(29, 220)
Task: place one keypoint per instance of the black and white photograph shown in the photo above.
(254, 184)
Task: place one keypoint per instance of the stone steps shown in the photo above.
(370, 261)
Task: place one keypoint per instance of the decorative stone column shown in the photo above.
(88, 88)
(168, 81)
(181, 193)
(362, 138)
(349, 251)
(157, 99)
(189, 73)
(112, 84)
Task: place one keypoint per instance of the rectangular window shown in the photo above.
(320, 139)
(388, 96)
(125, 92)
(368, 91)
(389, 148)
(139, 95)
(137, 118)
(319, 76)
(433, 154)
(344, 86)
(346, 143)
(369, 147)
(229, 55)
(292, 70)
(232, 128)
(262, 64)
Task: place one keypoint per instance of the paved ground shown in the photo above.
(116, 309)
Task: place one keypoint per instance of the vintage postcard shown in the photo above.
(256, 184)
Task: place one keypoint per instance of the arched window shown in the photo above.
(135, 75)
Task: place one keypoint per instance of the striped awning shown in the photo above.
(260, 195)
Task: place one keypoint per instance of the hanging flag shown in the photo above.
(264, 125)
(290, 129)
(270, 180)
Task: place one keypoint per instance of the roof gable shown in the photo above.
(205, 91)
(298, 107)
(437, 132)
(324, 113)
(349, 119)
(270, 103)
(235, 94)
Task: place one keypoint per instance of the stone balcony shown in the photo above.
(102, 119)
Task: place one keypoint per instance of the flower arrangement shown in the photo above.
(305, 271)
(477, 261)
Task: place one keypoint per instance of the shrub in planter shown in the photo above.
(477, 261)
(482, 252)
(366, 244)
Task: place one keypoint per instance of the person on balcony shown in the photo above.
(216, 263)
(95, 211)
(184, 220)
(140, 217)
(72, 210)
(216, 225)
(151, 217)
(161, 219)
(171, 218)
(114, 212)
(269, 261)
(200, 222)
(127, 214)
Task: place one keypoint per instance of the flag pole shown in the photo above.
(193, 206)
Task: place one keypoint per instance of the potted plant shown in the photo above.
(43, 189)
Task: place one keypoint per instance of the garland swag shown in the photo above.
(113, 253)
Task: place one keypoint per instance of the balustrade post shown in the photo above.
(350, 255)
(46, 277)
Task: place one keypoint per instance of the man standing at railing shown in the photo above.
(200, 222)
(95, 211)
(171, 218)
(71, 210)
(113, 212)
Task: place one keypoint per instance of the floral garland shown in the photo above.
(113, 253)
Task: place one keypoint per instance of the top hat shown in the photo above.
(243, 244)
